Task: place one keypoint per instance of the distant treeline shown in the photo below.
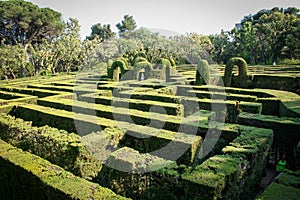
(36, 41)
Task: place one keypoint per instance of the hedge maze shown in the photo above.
(93, 137)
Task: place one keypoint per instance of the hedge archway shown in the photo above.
(139, 59)
(144, 65)
(242, 66)
(117, 65)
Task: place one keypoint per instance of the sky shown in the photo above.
(168, 17)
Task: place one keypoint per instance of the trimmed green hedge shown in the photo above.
(143, 64)
(260, 93)
(225, 110)
(114, 113)
(290, 178)
(79, 89)
(131, 184)
(154, 96)
(221, 95)
(27, 176)
(9, 97)
(58, 146)
(31, 91)
(252, 148)
(235, 174)
(139, 59)
(202, 73)
(286, 130)
(209, 180)
(120, 62)
(41, 116)
(143, 105)
(150, 140)
(162, 63)
(250, 107)
(128, 160)
(153, 119)
(243, 70)
(277, 191)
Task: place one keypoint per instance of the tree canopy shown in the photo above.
(103, 32)
(127, 24)
(262, 38)
(22, 22)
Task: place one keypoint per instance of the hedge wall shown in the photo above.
(41, 116)
(150, 140)
(31, 91)
(127, 160)
(234, 175)
(277, 191)
(290, 178)
(27, 176)
(58, 146)
(150, 96)
(286, 131)
(143, 105)
(243, 71)
(152, 119)
(220, 95)
(252, 148)
(202, 73)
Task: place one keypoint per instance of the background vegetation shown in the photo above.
(36, 41)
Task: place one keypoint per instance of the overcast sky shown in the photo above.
(180, 16)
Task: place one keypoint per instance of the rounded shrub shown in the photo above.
(202, 73)
(141, 54)
(163, 63)
(139, 59)
(172, 61)
(243, 70)
(108, 67)
(143, 64)
(124, 60)
(117, 63)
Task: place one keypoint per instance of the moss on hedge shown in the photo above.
(31, 91)
(202, 73)
(243, 70)
(277, 191)
(27, 176)
(143, 105)
(290, 178)
(58, 146)
(139, 59)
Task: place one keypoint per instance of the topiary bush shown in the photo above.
(163, 63)
(144, 65)
(120, 62)
(26, 176)
(202, 73)
(139, 59)
(243, 70)
(172, 61)
(58, 146)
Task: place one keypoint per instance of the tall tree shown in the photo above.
(69, 46)
(220, 42)
(103, 32)
(127, 24)
(192, 47)
(12, 61)
(22, 22)
(275, 28)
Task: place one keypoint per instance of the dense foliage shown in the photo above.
(36, 41)
(263, 38)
